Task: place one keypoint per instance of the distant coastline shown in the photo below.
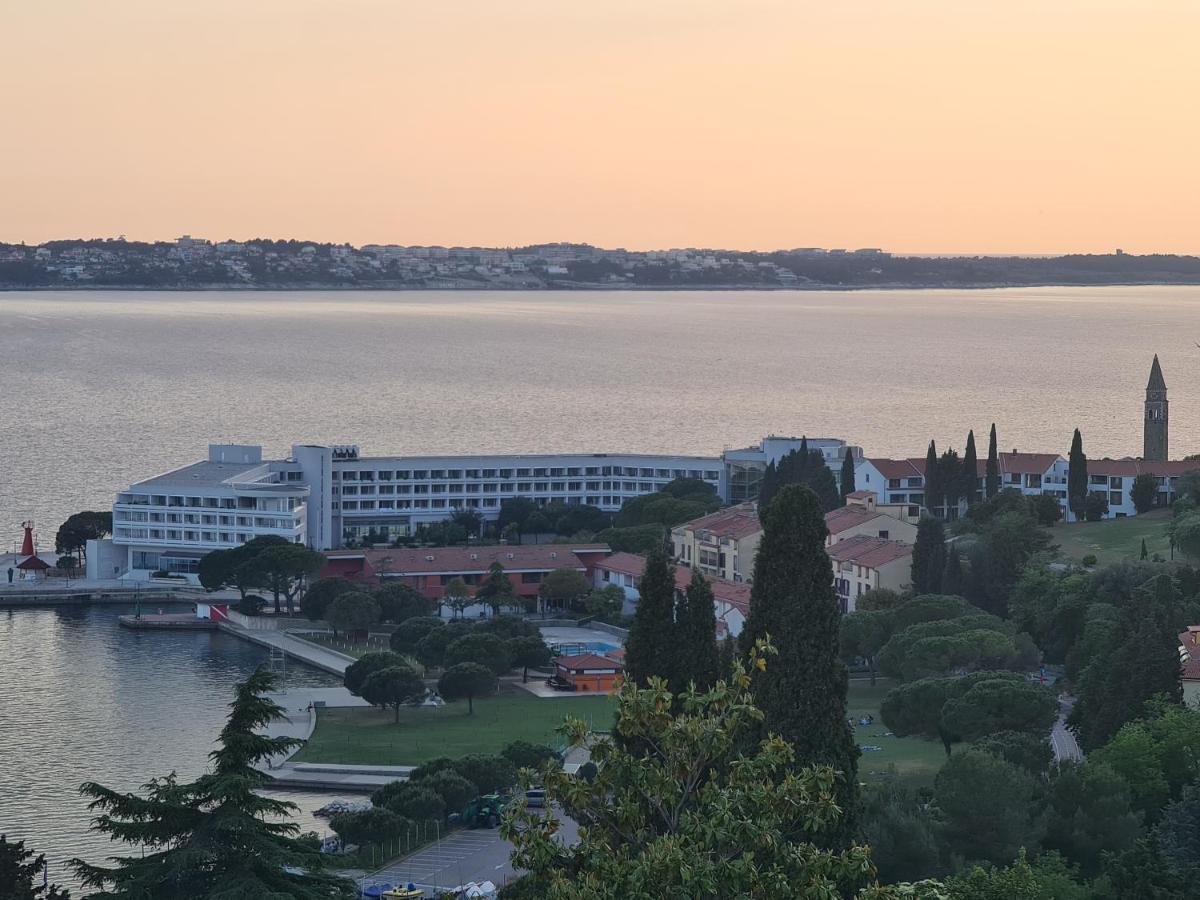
(196, 264)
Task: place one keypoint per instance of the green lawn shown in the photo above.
(361, 736)
(373, 644)
(1114, 540)
(913, 756)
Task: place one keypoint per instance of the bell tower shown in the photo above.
(1154, 442)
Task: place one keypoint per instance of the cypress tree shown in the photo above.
(846, 482)
(769, 484)
(952, 575)
(1077, 476)
(929, 557)
(696, 625)
(934, 495)
(802, 693)
(803, 466)
(1144, 553)
(970, 471)
(728, 653)
(992, 486)
(653, 641)
(950, 476)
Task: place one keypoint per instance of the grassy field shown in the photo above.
(910, 756)
(373, 644)
(360, 736)
(1114, 540)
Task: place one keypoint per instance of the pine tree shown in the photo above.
(934, 495)
(802, 693)
(846, 482)
(215, 836)
(1077, 476)
(970, 471)
(696, 627)
(929, 557)
(23, 876)
(653, 637)
(992, 485)
(952, 575)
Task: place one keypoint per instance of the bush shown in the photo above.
(417, 801)
(370, 826)
(1095, 507)
(525, 755)
(1089, 560)
(488, 773)
(438, 764)
(409, 632)
(456, 792)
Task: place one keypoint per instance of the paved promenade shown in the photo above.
(294, 647)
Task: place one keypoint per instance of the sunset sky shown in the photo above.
(914, 125)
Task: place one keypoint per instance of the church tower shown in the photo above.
(1154, 444)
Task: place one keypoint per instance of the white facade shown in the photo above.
(167, 523)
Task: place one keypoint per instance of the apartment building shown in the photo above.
(721, 544)
(862, 515)
(1114, 478)
(863, 562)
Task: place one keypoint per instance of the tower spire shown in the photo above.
(1154, 435)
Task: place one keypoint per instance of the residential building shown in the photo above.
(1189, 657)
(721, 544)
(1114, 478)
(744, 468)
(862, 563)
(863, 516)
(731, 600)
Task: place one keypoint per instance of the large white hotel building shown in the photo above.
(321, 496)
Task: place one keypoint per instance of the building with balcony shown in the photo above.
(863, 563)
(168, 522)
(863, 515)
(721, 544)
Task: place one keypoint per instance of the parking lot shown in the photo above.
(468, 855)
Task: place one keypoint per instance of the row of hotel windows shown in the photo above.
(523, 487)
(547, 472)
(281, 504)
(458, 503)
(192, 537)
(125, 515)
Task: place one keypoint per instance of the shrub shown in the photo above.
(1089, 560)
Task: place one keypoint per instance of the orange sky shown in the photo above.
(914, 125)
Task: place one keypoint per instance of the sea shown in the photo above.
(101, 389)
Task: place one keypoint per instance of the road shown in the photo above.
(1061, 738)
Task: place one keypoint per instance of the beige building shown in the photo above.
(1189, 656)
(863, 562)
(721, 544)
(862, 515)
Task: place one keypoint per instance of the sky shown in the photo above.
(957, 126)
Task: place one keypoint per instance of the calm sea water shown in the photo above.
(103, 388)
(82, 699)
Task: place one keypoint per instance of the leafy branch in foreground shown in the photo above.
(680, 807)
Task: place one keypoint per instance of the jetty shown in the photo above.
(167, 622)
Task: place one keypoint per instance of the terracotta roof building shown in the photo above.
(862, 563)
(721, 544)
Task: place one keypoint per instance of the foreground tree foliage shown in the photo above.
(214, 837)
(690, 813)
(22, 874)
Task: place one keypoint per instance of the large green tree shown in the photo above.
(653, 641)
(496, 590)
(929, 556)
(352, 612)
(217, 836)
(992, 478)
(846, 481)
(696, 810)
(72, 536)
(970, 471)
(696, 630)
(284, 570)
(398, 602)
(321, 593)
(1077, 476)
(986, 807)
(392, 688)
(804, 467)
(489, 650)
(562, 587)
(935, 491)
(803, 693)
(23, 876)
(466, 681)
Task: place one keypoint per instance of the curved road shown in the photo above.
(1062, 739)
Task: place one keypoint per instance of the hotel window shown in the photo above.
(592, 470)
(350, 490)
(557, 486)
(387, 504)
(349, 504)
(349, 476)
(438, 504)
(488, 473)
(385, 475)
(454, 473)
(420, 474)
(506, 473)
(575, 486)
(523, 473)
(403, 474)
(437, 474)
(471, 473)
(573, 472)
(366, 476)
(387, 489)
(539, 473)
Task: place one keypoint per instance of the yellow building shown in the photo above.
(862, 515)
(862, 563)
(721, 544)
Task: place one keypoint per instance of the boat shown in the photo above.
(412, 892)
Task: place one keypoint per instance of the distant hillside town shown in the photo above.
(196, 263)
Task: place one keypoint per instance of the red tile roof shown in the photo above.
(860, 495)
(736, 594)
(735, 522)
(588, 661)
(847, 517)
(873, 552)
(900, 468)
(1133, 467)
(513, 557)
